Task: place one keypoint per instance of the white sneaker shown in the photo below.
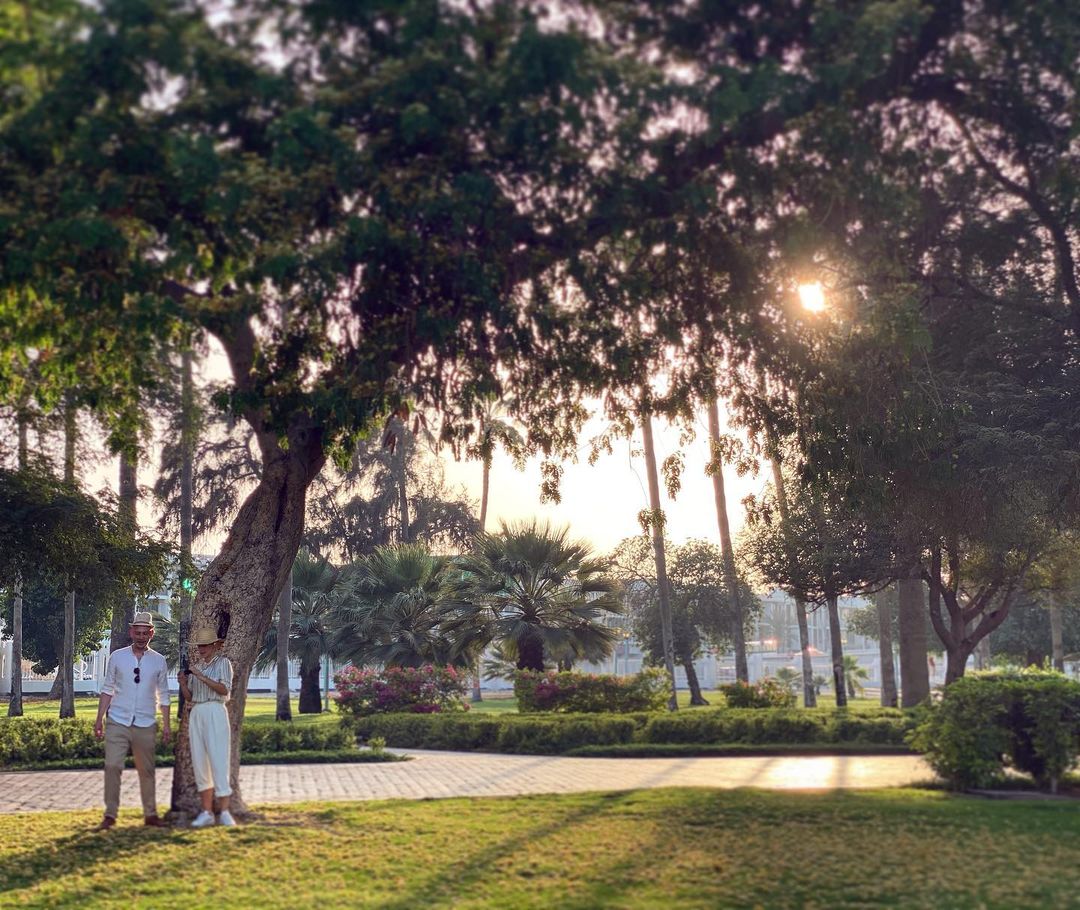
(203, 820)
(226, 819)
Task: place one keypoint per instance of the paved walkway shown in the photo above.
(436, 775)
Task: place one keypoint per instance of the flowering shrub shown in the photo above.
(573, 692)
(769, 693)
(424, 690)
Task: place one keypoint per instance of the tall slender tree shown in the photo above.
(67, 655)
(715, 468)
(653, 522)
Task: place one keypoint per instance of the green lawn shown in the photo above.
(645, 849)
(261, 709)
(714, 698)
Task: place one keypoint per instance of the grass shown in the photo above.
(643, 849)
(257, 710)
(714, 698)
(260, 709)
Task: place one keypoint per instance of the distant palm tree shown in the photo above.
(538, 594)
(852, 674)
(394, 608)
(790, 677)
(316, 597)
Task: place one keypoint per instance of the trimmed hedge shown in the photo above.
(36, 740)
(560, 733)
(1029, 720)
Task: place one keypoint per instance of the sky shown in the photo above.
(600, 503)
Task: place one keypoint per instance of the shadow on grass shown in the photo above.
(467, 872)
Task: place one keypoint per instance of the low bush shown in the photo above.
(28, 741)
(560, 733)
(1029, 720)
(769, 693)
(423, 690)
(571, 692)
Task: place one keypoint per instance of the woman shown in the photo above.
(207, 689)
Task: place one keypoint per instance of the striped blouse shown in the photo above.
(220, 670)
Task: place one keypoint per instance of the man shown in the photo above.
(136, 684)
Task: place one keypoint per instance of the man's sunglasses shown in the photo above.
(136, 675)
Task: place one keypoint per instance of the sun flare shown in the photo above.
(812, 297)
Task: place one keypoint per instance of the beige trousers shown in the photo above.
(119, 740)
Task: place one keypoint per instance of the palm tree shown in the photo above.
(852, 674)
(394, 609)
(538, 594)
(316, 597)
(494, 430)
(789, 677)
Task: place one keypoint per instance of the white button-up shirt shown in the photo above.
(136, 704)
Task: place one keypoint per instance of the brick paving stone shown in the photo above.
(433, 775)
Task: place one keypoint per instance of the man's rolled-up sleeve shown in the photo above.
(163, 685)
(108, 686)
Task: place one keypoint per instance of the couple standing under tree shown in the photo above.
(136, 686)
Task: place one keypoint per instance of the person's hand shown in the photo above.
(99, 728)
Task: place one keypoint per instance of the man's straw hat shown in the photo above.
(206, 635)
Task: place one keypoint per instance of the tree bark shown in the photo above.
(127, 508)
(310, 701)
(485, 485)
(809, 689)
(240, 587)
(836, 646)
(187, 497)
(914, 673)
(692, 681)
(477, 695)
(67, 652)
(716, 469)
(531, 654)
(656, 525)
(401, 475)
(885, 652)
(956, 658)
(284, 708)
(1057, 636)
(15, 699)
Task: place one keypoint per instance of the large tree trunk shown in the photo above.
(67, 652)
(240, 588)
(731, 579)
(1057, 636)
(836, 646)
(531, 654)
(692, 681)
(187, 495)
(477, 695)
(401, 476)
(656, 524)
(885, 652)
(809, 689)
(956, 658)
(127, 508)
(284, 708)
(310, 701)
(914, 672)
(15, 699)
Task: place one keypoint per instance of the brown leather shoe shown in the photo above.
(152, 821)
(106, 823)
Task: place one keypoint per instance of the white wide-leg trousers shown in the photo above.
(209, 737)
